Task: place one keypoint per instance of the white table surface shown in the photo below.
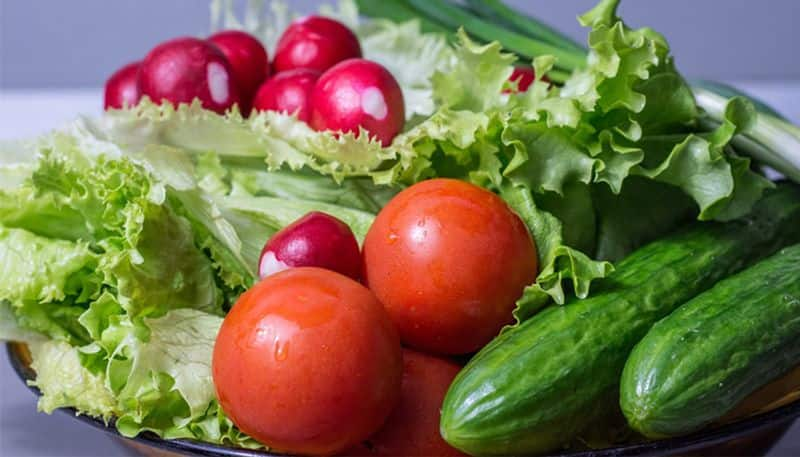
(26, 433)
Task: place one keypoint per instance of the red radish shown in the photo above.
(247, 57)
(315, 42)
(358, 93)
(288, 92)
(183, 69)
(121, 87)
(524, 77)
(315, 240)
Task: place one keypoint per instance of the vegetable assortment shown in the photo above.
(275, 237)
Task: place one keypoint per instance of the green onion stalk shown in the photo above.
(771, 139)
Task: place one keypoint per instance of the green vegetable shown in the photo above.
(455, 17)
(64, 382)
(537, 386)
(770, 139)
(699, 362)
(166, 376)
(523, 24)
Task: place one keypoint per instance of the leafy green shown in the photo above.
(557, 262)
(38, 269)
(168, 377)
(63, 381)
(144, 249)
(268, 138)
(12, 330)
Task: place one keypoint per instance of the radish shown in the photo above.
(288, 92)
(524, 77)
(183, 69)
(121, 88)
(248, 59)
(315, 240)
(315, 42)
(358, 93)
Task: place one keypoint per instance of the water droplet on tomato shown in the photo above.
(281, 350)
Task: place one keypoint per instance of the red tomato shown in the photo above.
(307, 362)
(448, 260)
(413, 427)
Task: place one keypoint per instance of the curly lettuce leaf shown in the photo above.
(12, 330)
(168, 374)
(46, 284)
(147, 251)
(557, 261)
(721, 183)
(38, 269)
(304, 184)
(476, 79)
(273, 139)
(64, 382)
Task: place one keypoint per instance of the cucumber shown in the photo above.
(699, 362)
(536, 386)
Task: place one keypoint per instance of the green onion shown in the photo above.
(397, 11)
(454, 17)
(532, 27)
(730, 92)
(770, 139)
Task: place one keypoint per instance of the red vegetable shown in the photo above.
(358, 93)
(121, 88)
(288, 92)
(315, 42)
(307, 362)
(413, 427)
(315, 240)
(248, 59)
(448, 260)
(183, 69)
(524, 77)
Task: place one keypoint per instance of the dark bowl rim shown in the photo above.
(738, 429)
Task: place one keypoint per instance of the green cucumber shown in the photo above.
(535, 387)
(699, 362)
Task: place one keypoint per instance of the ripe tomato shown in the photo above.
(448, 260)
(307, 362)
(413, 427)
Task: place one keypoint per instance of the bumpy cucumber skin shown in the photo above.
(533, 388)
(699, 362)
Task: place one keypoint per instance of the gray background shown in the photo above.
(78, 43)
